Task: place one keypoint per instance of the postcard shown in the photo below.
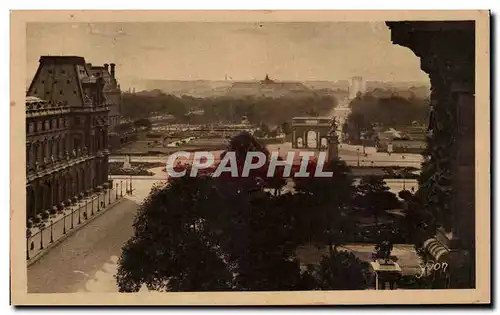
(250, 157)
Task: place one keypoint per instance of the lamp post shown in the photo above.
(131, 185)
(116, 195)
(79, 214)
(41, 236)
(104, 198)
(51, 233)
(86, 206)
(109, 194)
(358, 155)
(72, 217)
(363, 143)
(98, 201)
(91, 206)
(64, 223)
(121, 188)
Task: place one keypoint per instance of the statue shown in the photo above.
(384, 250)
(74, 153)
(85, 151)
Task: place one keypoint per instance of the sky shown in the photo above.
(296, 51)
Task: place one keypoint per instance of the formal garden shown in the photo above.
(232, 234)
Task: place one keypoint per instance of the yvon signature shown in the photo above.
(430, 267)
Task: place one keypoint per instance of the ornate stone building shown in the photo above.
(66, 134)
(113, 96)
(447, 53)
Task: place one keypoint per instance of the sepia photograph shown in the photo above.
(250, 158)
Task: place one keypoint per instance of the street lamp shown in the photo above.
(121, 188)
(131, 184)
(86, 207)
(116, 195)
(64, 223)
(41, 236)
(109, 194)
(79, 214)
(98, 201)
(363, 143)
(51, 234)
(358, 155)
(92, 206)
(72, 217)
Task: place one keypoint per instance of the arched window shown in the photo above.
(312, 139)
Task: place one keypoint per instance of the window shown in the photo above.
(61, 92)
(43, 81)
(63, 71)
(74, 92)
(68, 81)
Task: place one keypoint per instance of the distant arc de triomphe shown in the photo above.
(312, 133)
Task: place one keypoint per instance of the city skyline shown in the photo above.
(310, 51)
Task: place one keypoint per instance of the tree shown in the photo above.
(340, 271)
(286, 128)
(208, 233)
(406, 195)
(328, 219)
(374, 196)
(170, 250)
(143, 122)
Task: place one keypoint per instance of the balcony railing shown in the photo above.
(57, 162)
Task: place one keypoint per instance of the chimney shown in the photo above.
(112, 65)
(106, 66)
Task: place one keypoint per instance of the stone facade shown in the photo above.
(447, 53)
(113, 96)
(66, 134)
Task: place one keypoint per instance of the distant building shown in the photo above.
(268, 88)
(66, 134)
(111, 91)
(357, 86)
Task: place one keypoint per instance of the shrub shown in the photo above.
(45, 215)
